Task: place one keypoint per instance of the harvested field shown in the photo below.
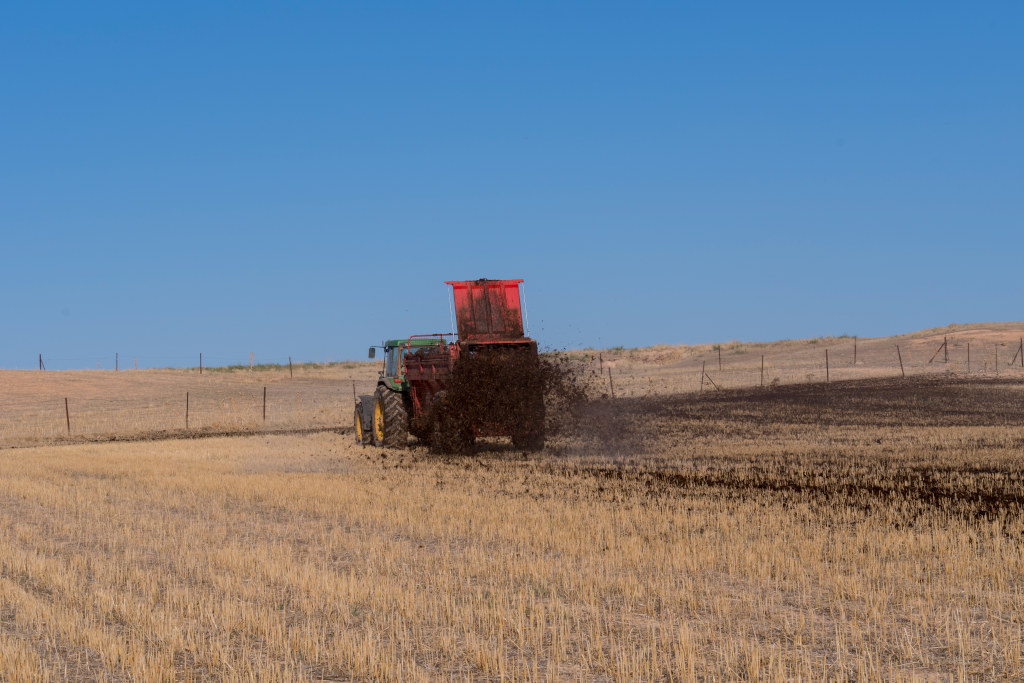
(978, 349)
(107, 405)
(861, 530)
(143, 404)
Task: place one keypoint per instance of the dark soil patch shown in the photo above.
(625, 442)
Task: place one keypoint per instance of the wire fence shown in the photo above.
(46, 407)
(49, 406)
(738, 366)
(142, 361)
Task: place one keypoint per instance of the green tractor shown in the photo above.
(382, 419)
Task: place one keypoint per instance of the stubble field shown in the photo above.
(867, 529)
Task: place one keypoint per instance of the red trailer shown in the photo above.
(487, 382)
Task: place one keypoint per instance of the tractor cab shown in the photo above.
(393, 374)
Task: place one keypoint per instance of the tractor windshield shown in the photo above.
(391, 362)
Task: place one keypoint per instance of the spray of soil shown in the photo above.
(509, 391)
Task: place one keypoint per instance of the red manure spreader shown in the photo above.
(487, 382)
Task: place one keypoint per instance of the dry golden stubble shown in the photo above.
(869, 534)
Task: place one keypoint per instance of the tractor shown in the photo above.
(486, 382)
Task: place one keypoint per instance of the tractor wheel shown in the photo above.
(363, 421)
(450, 435)
(390, 420)
(529, 441)
(528, 434)
(357, 424)
(451, 439)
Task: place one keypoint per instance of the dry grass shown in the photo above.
(853, 532)
(106, 404)
(674, 369)
(868, 532)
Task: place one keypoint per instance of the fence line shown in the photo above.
(160, 362)
(217, 403)
(298, 404)
(636, 376)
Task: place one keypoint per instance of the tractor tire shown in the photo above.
(528, 441)
(528, 434)
(363, 421)
(450, 434)
(357, 425)
(390, 419)
(452, 440)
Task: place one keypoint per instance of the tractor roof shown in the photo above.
(415, 341)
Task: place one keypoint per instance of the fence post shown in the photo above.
(200, 362)
(290, 375)
(40, 362)
(900, 356)
(611, 385)
(719, 357)
(67, 415)
(116, 362)
(702, 373)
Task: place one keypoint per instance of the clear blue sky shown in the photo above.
(300, 178)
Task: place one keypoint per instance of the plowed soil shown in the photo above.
(947, 443)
